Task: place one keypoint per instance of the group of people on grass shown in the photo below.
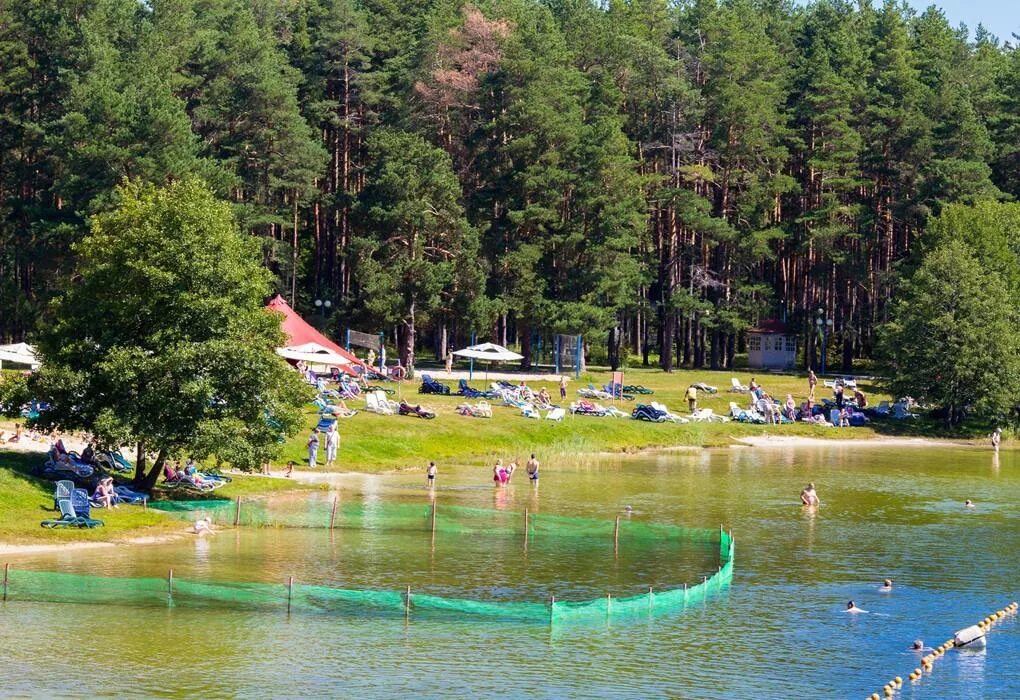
(841, 414)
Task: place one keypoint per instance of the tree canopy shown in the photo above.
(160, 338)
(661, 174)
(951, 341)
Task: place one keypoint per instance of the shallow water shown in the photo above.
(777, 631)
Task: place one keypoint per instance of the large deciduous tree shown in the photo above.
(951, 341)
(160, 340)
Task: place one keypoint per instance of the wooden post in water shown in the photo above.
(609, 604)
(407, 603)
(170, 583)
(616, 536)
(552, 608)
(7, 572)
(650, 598)
(332, 515)
(526, 516)
(433, 519)
(237, 512)
(290, 592)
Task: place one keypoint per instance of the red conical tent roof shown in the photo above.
(299, 331)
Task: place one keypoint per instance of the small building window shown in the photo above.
(791, 343)
(754, 343)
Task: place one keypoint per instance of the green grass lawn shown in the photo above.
(25, 501)
(372, 442)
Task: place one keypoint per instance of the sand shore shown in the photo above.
(800, 441)
(48, 547)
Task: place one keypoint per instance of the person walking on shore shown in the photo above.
(313, 449)
(430, 475)
(812, 382)
(563, 386)
(692, 398)
(332, 445)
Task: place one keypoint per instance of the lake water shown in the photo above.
(777, 631)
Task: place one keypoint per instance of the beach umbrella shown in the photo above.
(487, 351)
(20, 353)
(315, 354)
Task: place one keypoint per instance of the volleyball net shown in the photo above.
(290, 596)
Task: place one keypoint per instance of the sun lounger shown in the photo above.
(556, 414)
(418, 411)
(736, 386)
(648, 413)
(431, 386)
(707, 415)
(670, 416)
(63, 489)
(529, 411)
(69, 517)
(900, 411)
(376, 402)
(478, 410)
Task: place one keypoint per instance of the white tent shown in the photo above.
(315, 354)
(487, 351)
(20, 353)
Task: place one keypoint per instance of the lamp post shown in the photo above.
(323, 307)
(824, 327)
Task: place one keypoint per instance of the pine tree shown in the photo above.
(416, 237)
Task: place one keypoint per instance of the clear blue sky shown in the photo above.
(1000, 17)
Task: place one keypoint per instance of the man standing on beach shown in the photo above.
(563, 386)
(812, 382)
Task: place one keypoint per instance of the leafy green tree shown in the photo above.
(952, 341)
(162, 340)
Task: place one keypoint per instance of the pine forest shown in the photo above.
(655, 176)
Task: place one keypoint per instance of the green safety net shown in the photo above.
(27, 585)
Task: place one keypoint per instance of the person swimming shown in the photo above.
(851, 607)
(886, 585)
(968, 503)
(918, 645)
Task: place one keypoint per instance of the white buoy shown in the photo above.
(972, 637)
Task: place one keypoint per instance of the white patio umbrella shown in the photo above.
(313, 353)
(20, 353)
(487, 351)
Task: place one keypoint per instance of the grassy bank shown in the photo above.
(25, 501)
(372, 442)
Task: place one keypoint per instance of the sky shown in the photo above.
(1000, 17)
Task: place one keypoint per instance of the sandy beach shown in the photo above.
(800, 441)
(45, 548)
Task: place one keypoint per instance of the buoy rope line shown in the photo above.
(928, 661)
